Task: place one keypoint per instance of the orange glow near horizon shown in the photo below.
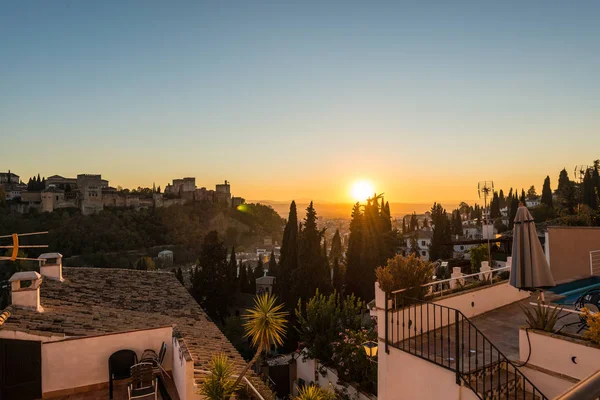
(362, 190)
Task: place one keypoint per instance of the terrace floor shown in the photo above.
(500, 326)
(119, 392)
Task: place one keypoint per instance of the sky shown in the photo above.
(301, 99)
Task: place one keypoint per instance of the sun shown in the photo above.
(362, 190)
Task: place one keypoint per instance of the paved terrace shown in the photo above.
(501, 326)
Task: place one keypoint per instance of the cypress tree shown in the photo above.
(404, 232)
(232, 269)
(547, 193)
(288, 259)
(514, 205)
(243, 281)
(523, 199)
(354, 282)
(338, 277)
(441, 234)
(312, 272)
(563, 181)
(501, 199)
(596, 183)
(272, 264)
(495, 206)
(251, 281)
(336, 247)
(588, 190)
(259, 270)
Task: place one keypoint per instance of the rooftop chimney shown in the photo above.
(25, 288)
(51, 266)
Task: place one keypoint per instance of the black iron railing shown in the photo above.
(447, 338)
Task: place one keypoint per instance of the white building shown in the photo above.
(423, 242)
(532, 202)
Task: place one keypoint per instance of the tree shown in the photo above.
(259, 270)
(243, 279)
(2, 196)
(265, 326)
(547, 193)
(456, 223)
(425, 223)
(313, 271)
(338, 279)
(495, 206)
(531, 193)
(523, 199)
(288, 259)
(219, 384)
(477, 255)
(414, 223)
(404, 232)
(336, 251)
(354, 280)
(563, 181)
(232, 268)
(145, 264)
(210, 282)
(251, 280)
(322, 318)
(514, 205)
(179, 275)
(502, 199)
(589, 189)
(272, 264)
(441, 234)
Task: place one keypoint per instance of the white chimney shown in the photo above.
(25, 290)
(51, 266)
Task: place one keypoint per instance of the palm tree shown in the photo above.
(265, 326)
(219, 384)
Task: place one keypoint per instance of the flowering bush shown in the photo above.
(593, 321)
(405, 273)
(351, 361)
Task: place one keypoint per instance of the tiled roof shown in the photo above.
(95, 301)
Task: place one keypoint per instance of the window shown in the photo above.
(423, 253)
(462, 247)
(422, 243)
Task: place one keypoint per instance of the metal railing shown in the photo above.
(439, 287)
(447, 338)
(595, 263)
(588, 388)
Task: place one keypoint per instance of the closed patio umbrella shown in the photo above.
(530, 269)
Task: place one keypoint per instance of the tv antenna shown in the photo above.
(580, 171)
(485, 188)
(16, 246)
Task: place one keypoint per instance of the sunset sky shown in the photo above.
(301, 100)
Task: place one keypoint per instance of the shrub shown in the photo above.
(593, 321)
(477, 255)
(542, 318)
(405, 273)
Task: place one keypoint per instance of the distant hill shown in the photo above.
(343, 210)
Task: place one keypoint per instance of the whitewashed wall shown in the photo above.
(73, 363)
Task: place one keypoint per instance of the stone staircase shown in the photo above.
(495, 381)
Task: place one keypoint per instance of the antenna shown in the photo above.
(15, 246)
(580, 171)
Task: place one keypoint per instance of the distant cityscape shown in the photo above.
(91, 194)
